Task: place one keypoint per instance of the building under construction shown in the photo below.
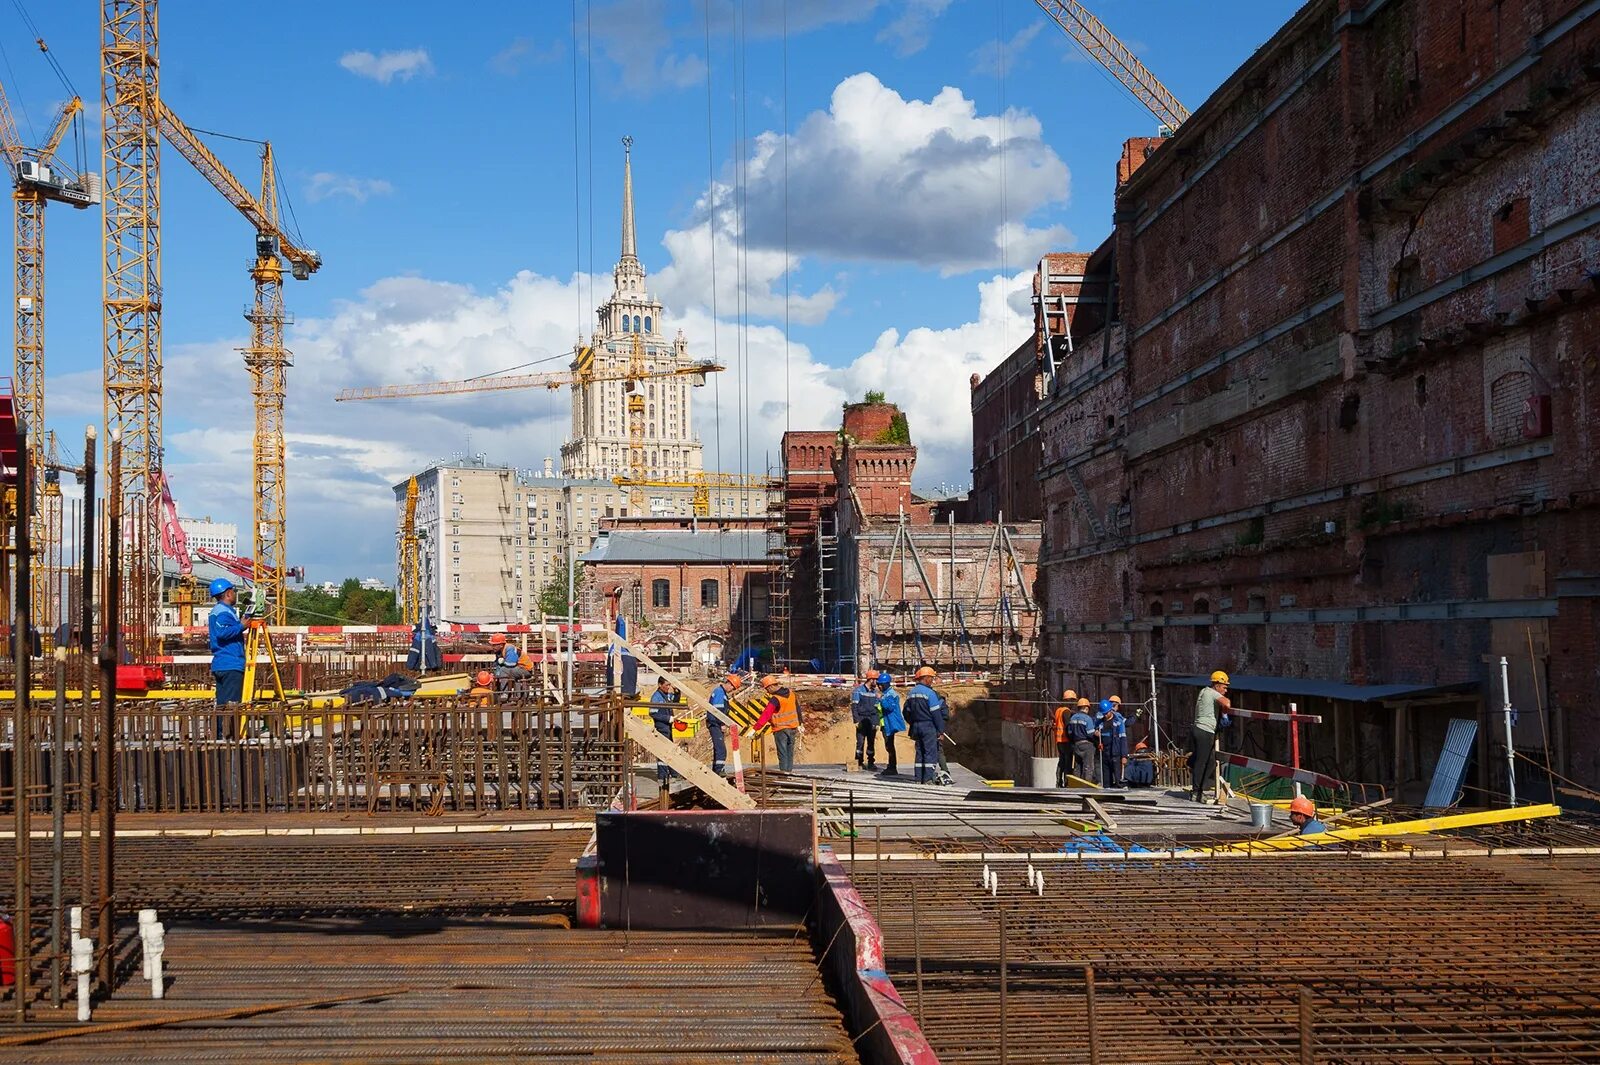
(872, 580)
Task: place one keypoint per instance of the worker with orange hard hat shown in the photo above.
(926, 716)
(721, 695)
(1303, 812)
(783, 713)
(1063, 712)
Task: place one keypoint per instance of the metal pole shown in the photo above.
(877, 868)
(110, 606)
(1294, 744)
(22, 721)
(916, 947)
(1155, 709)
(1511, 751)
(572, 616)
(86, 649)
(58, 817)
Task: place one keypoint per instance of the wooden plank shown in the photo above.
(1100, 812)
(686, 764)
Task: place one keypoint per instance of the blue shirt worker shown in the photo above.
(1113, 745)
(721, 696)
(1303, 812)
(663, 702)
(1082, 733)
(925, 715)
(864, 712)
(892, 718)
(424, 654)
(225, 632)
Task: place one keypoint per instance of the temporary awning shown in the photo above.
(1313, 687)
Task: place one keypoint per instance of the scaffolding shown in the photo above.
(925, 601)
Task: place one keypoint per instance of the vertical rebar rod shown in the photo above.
(877, 868)
(106, 786)
(58, 818)
(1003, 981)
(86, 656)
(916, 947)
(1306, 1055)
(22, 721)
(852, 830)
(1093, 1025)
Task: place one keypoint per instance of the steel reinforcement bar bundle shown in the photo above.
(1309, 957)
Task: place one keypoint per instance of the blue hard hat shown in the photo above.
(885, 679)
(218, 586)
(1106, 706)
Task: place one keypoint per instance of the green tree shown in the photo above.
(872, 398)
(553, 596)
(351, 605)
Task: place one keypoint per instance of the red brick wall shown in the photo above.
(1328, 353)
(1005, 443)
(865, 422)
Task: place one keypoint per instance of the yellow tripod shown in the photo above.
(257, 638)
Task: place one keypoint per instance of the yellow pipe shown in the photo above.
(1394, 828)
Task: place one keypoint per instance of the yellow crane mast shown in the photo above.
(266, 358)
(131, 295)
(39, 178)
(636, 463)
(1080, 24)
(410, 559)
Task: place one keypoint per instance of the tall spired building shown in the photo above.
(599, 444)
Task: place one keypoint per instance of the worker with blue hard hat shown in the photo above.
(225, 631)
(1113, 744)
(894, 720)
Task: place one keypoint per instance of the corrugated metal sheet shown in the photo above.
(1451, 768)
(680, 545)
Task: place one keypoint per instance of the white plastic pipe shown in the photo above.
(1040, 883)
(82, 962)
(984, 882)
(146, 919)
(75, 921)
(155, 946)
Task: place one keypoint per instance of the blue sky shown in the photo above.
(429, 154)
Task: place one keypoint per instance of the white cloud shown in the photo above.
(686, 282)
(344, 458)
(910, 32)
(324, 185)
(388, 66)
(524, 52)
(880, 177)
(991, 59)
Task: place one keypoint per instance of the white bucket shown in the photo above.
(1044, 772)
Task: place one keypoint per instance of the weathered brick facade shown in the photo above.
(1005, 459)
(1341, 426)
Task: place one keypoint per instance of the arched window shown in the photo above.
(636, 323)
(647, 323)
(660, 592)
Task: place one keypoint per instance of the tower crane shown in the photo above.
(1080, 24)
(39, 178)
(266, 358)
(410, 558)
(582, 375)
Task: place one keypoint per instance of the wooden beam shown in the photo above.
(689, 767)
(1396, 828)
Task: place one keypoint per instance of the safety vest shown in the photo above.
(1061, 723)
(788, 714)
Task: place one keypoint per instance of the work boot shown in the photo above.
(890, 773)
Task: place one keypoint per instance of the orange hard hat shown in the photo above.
(1082, 701)
(1116, 699)
(1303, 805)
(1069, 695)
(485, 678)
(926, 671)
(497, 639)
(735, 681)
(769, 681)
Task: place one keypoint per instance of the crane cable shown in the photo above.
(711, 232)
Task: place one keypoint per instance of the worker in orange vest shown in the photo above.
(783, 711)
(1063, 742)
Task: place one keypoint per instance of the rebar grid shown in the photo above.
(1429, 959)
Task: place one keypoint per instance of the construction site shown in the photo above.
(1244, 709)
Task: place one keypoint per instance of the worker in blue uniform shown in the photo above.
(663, 702)
(893, 720)
(925, 716)
(721, 695)
(225, 632)
(1083, 735)
(1113, 745)
(864, 712)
